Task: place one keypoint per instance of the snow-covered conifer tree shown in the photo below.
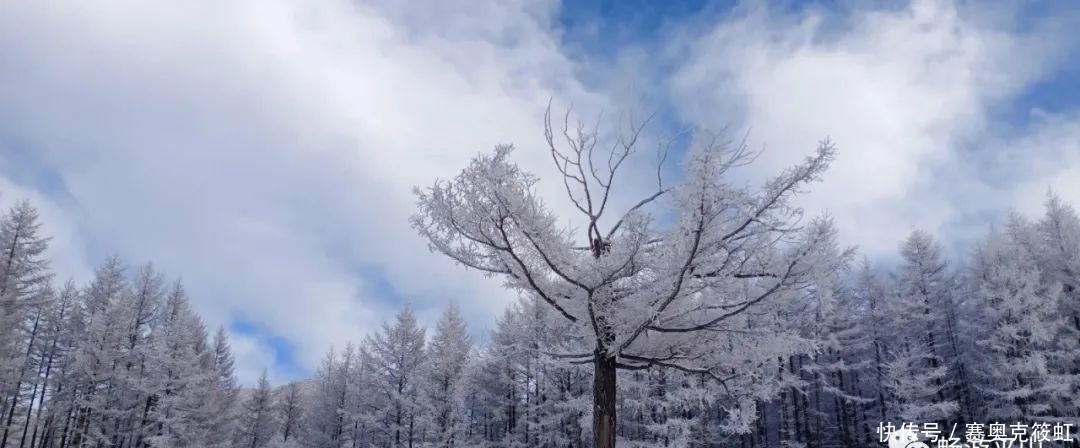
(136, 388)
(53, 356)
(1058, 253)
(290, 411)
(322, 411)
(24, 278)
(1019, 323)
(447, 357)
(97, 357)
(398, 353)
(257, 420)
(920, 362)
(182, 385)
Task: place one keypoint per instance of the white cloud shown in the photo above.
(266, 150)
(900, 91)
(251, 356)
(1048, 158)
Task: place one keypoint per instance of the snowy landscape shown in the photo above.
(345, 224)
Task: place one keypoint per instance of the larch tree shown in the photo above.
(448, 356)
(525, 398)
(360, 403)
(222, 389)
(323, 426)
(182, 384)
(822, 320)
(494, 401)
(1018, 324)
(257, 421)
(397, 354)
(33, 328)
(919, 361)
(1058, 253)
(53, 359)
(97, 357)
(224, 365)
(870, 344)
(290, 411)
(24, 276)
(55, 411)
(142, 312)
(23, 265)
(640, 294)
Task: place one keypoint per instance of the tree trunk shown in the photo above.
(18, 381)
(604, 402)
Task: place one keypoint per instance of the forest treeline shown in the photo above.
(124, 361)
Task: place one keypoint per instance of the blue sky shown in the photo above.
(265, 150)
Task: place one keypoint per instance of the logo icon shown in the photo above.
(905, 438)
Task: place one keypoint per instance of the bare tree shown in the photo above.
(691, 295)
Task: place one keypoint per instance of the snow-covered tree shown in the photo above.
(920, 362)
(639, 293)
(1058, 254)
(257, 421)
(23, 266)
(1019, 323)
(397, 355)
(24, 281)
(98, 356)
(223, 391)
(322, 425)
(493, 397)
(290, 411)
(447, 358)
(870, 349)
(182, 385)
(344, 407)
(135, 388)
(224, 365)
(818, 385)
(53, 359)
(24, 380)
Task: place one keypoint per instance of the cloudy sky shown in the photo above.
(265, 150)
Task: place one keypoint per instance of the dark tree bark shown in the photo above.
(604, 417)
